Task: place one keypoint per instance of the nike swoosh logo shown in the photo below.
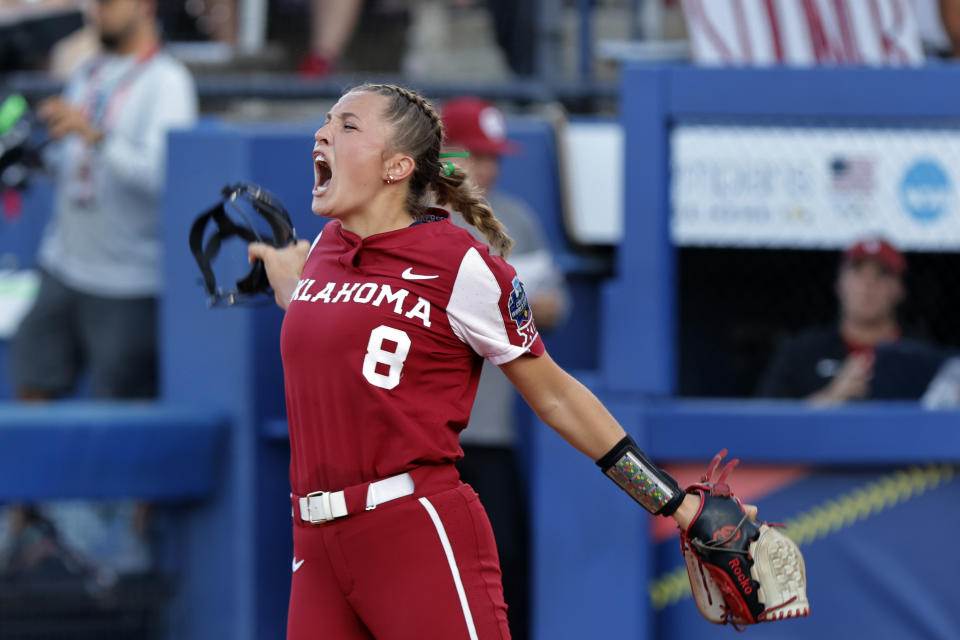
(296, 565)
(408, 274)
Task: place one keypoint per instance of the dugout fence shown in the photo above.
(841, 476)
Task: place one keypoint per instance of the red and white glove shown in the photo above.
(740, 570)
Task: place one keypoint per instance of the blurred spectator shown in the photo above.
(949, 13)
(331, 26)
(356, 36)
(865, 355)
(73, 51)
(931, 16)
(332, 23)
(490, 463)
(100, 258)
(944, 389)
(341, 35)
(939, 25)
(101, 252)
(218, 18)
(28, 31)
(514, 24)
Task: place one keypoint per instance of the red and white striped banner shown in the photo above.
(803, 32)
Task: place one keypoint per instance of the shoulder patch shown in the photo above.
(518, 306)
(520, 313)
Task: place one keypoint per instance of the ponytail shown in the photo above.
(456, 191)
(418, 130)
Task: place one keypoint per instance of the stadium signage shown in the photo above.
(813, 187)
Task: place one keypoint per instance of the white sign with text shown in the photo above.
(806, 187)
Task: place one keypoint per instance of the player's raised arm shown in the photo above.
(574, 412)
(722, 543)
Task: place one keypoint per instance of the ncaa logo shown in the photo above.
(925, 191)
(518, 306)
(520, 313)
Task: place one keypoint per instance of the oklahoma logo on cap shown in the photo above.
(476, 125)
(493, 124)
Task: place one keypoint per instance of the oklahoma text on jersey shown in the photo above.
(365, 293)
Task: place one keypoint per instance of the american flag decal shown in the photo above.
(853, 174)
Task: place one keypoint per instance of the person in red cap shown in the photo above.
(839, 363)
(478, 127)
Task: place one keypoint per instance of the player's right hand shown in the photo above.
(283, 266)
(62, 119)
(852, 381)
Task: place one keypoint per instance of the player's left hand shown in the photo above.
(687, 511)
(691, 504)
(740, 570)
(63, 119)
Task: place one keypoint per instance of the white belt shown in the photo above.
(321, 506)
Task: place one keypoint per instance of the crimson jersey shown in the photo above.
(382, 344)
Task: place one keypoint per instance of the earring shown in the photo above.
(389, 179)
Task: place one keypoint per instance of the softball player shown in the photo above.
(389, 315)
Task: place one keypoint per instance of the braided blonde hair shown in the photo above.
(418, 131)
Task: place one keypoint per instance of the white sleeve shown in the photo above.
(476, 315)
(170, 103)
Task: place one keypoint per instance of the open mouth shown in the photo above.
(322, 173)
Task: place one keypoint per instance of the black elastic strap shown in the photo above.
(200, 253)
(652, 487)
(266, 205)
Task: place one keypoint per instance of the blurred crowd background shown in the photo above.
(821, 316)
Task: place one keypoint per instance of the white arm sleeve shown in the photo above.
(474, 311)
(138, 158)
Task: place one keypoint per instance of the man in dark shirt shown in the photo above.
(864, 355)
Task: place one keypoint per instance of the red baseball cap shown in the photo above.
(877, 249)
(476, 125)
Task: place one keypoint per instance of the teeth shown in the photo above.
(324, 173)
